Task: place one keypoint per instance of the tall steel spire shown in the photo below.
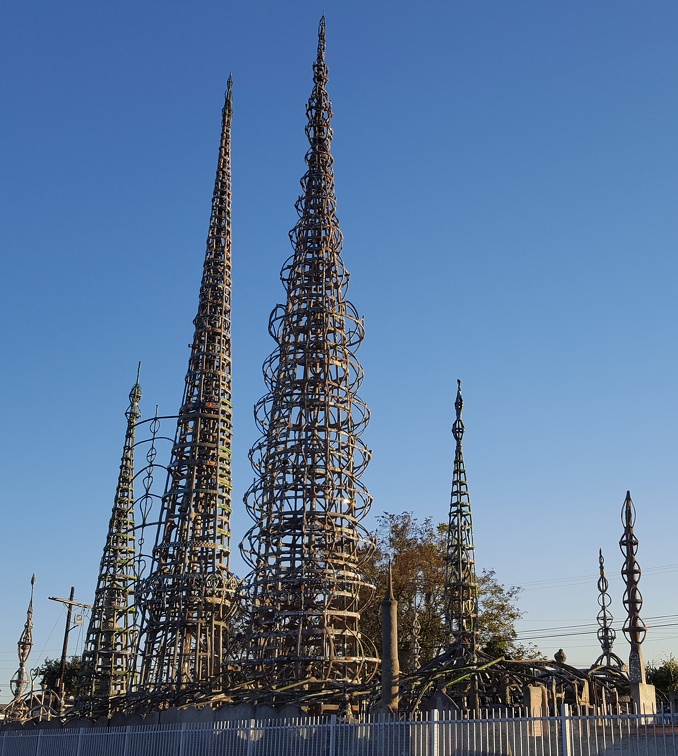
(188, 596)
(110, 644)
(461, 584)
(17, 709)
(307, 545)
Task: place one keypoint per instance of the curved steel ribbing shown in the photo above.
(307, 501)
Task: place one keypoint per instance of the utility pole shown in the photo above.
(70, 603)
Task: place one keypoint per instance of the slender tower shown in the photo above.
(461, 584)
(17, 710)
(188, 597)
(606, 633)
(634, 627)
(307, 545)
(108, 659)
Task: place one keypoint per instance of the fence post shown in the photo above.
(250, 735)
(434, 733)
(566, 729)
(181, 738)
(333, 734)
(79, 748)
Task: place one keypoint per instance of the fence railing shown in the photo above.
(565, 735)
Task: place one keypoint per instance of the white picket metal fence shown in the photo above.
(565, 735)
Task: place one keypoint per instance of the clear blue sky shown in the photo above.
(507, 175)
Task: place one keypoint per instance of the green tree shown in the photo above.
(663, 676)
(50, 672)
(416, 552)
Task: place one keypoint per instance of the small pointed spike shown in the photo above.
(321, 39)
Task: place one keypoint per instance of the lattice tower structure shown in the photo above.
(188, 597)
(634, 628)
(461, 583)
(108, 660)
(307, 544)
(606, 633)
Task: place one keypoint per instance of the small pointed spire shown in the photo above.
(321, 39)
(16, 710)
(458, 427)
(461, 583)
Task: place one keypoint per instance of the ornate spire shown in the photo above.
(110, 644)
(188, 596)
(307, 545)
(606, 633)
(17, 710)
(634, 627)
(461, 585)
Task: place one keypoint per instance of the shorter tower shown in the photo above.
(606, 633)
(108, 659)
(461, 584)
(17, 710)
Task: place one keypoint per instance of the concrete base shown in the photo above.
(644, 698)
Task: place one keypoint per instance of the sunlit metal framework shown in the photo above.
(606, 633)
(307, 544)
(18, 708)
(461, 583)
(634, 627)
(110, 644)
(188, 597)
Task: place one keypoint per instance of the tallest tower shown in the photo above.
(307, 501)
(188, 596)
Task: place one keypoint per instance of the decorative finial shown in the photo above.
(458, 427)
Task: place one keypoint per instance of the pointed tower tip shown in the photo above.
(138, 371)
(33, 580)
(321, 38)
(458, 427)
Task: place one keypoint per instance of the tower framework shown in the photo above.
(18, 709)
(188, 596)
(307, 501)
(606, 633)
(634, 627)
(461, 583)
(110, 645)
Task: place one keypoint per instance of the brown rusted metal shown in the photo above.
(189, 594)
(110, 644)
(307, 543)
